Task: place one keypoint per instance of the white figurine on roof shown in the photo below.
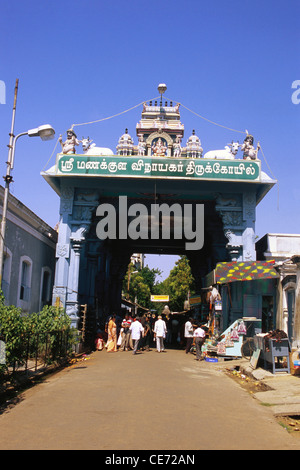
(91, 149)
(141, 146)
(177, 147)
(228, 153)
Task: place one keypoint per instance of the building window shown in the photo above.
(45, 292)
(24, 289)
(290, 301)
(6, 274)
(25, 281)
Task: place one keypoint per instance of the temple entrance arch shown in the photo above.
(90, 268)
(93, 269)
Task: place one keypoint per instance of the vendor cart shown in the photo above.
(231, 344)
(275, 353)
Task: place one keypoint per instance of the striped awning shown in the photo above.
(242, 271)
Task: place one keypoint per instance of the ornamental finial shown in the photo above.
(162, 87)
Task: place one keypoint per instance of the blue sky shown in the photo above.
(232, 62)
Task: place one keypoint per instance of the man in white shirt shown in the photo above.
(214, 295)
(188, 334)
(199, 335)
(137, 331)
(160, 330)
(125, 344)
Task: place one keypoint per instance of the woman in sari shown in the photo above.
(112, 335)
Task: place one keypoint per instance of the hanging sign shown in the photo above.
(159, 298)
(195, 300)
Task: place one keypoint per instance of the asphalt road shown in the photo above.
(150, 401)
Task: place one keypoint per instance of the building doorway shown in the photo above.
(290, 302)
(268, 321)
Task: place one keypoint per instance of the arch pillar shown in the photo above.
(296, 342)
(72, 302)
(59, 293)
(238, 216)
(75, 219)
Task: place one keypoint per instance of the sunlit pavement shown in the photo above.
(121, 401)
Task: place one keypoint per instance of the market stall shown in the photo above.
(231, 341)
(274, 349)
(226, 339)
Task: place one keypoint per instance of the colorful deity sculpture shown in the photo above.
(159, 149)
(250, 153)
(68, 147)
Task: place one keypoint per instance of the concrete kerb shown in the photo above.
(282, 392)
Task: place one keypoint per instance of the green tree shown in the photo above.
(140, 284)
(179, 283)
(143, 283)
(150, 276)
(20, 330)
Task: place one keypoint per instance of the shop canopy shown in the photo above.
(241, 271)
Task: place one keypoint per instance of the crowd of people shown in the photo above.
(143, 333)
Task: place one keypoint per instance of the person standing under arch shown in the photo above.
(137, 332)
(160, 330)
(188, 334)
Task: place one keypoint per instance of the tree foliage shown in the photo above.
(179, 284)
(140, 284)
(18, 329)
(143, 283)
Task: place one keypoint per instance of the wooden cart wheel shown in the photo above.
(248, 348)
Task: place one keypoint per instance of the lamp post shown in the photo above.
(129, 278)
(45, 132)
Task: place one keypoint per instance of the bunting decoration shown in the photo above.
(245, 271)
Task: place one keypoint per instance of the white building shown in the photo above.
(29, 257)
(285, 250)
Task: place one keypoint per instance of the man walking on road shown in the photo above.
(188, 334)
(137, 331)
(199, 335)
(160, 330)
(126, 333)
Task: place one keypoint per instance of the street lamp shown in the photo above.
(129, 278)
(45, 132)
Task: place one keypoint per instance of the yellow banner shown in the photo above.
(159, 298)
(195, 300)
